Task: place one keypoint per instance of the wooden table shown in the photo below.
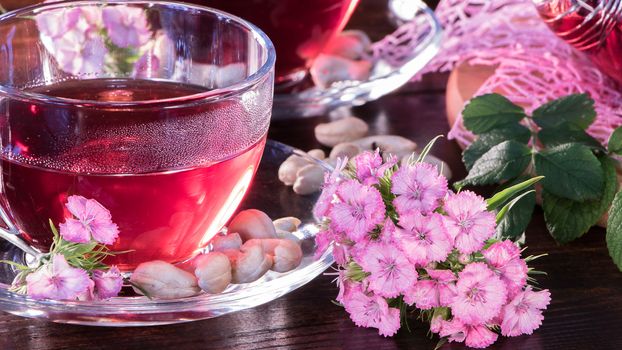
(586, 311)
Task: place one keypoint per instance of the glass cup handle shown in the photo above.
(11, 234)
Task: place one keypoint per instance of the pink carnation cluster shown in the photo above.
(401, 237)
(82, 39)
(58, 279)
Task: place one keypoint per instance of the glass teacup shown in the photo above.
(300, 29)
(590, 26)
(101, 100)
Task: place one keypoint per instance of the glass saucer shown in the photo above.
(267, 194)
(400, 55)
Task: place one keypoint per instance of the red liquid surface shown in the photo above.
(600, 37)
(299, 29)
(167, 198)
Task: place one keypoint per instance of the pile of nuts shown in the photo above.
(345, 58)
(253, 245)
(347, 137)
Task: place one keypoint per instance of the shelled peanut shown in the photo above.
(253, 245)
(348, 137)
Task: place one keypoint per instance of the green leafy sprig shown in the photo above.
(579, 183)
(88, 256)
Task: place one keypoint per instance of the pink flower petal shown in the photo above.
(104, 232)
(454, 330)
(467, 221)
(423, 294)
(480, 295)
(95, 220)
(418, 188)
(480, 337)
(391, 274)
(77, 207)
(390, 324)
(127, 26)
(73, 230)
(423, 238)
(325, 201)
(504, 258)
(524, 313)
(359, 211)
(108, 284)
(58, 280)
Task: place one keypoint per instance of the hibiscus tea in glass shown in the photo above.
(101, 100)
(299, 28)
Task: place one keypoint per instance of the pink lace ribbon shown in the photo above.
(533, 65)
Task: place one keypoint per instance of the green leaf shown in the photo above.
(551, 137)
(503, 196)
(506, 208)
(487, 112)
(614, 230)
(575, 109)
(517, 217)
(571, 171)
(568, 220)
(502, 162)
(486, 141)
(615, 141)
(427, 148)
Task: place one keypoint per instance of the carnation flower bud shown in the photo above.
(108, 284)
(464, 259)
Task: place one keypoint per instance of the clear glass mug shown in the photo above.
(300, 29)
(103, 100)
(591, 26)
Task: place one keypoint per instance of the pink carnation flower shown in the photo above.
(71, 36)
(418, 187)
(391, 273)
(439, 290)
(57, 280)
(423, 238)
(91, 220)
(58, 22)
(480, 295)
(108, 284)
(436, 324)
(323, 240)
(127, 26)
(504, 258)
(372, 311)
(524, 313)
(329, 189)
(385, 236)
(468, 222)
(361, 208)
(370, 168)
(84, 57)
(341, 252)
(475, 336)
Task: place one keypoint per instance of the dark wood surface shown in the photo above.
(586, 311)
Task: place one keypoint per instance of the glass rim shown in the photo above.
(233, 89)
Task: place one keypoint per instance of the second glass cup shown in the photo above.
(300, 29)
(100, 99)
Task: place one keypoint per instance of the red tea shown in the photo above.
(168, 186)
(299, 29)
(590, 26)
